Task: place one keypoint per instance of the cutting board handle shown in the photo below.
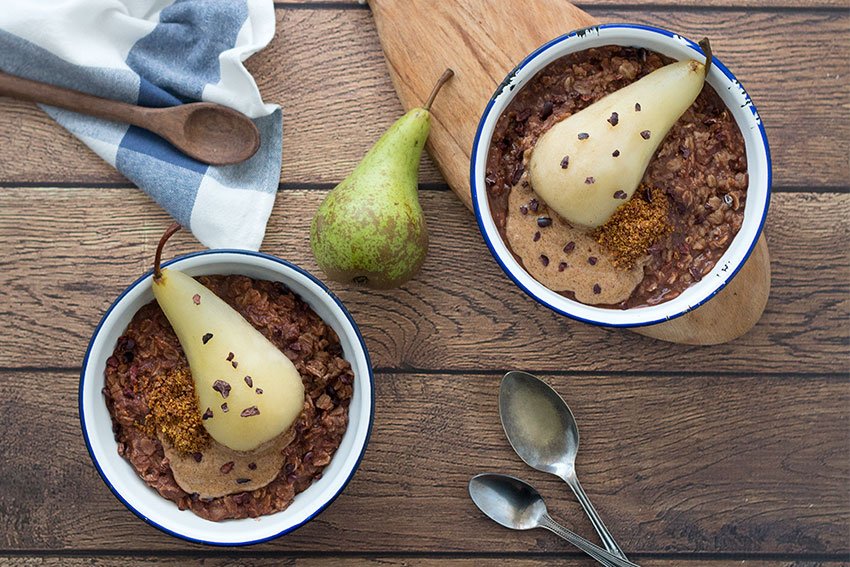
(482, 40)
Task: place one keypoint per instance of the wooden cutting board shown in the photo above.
(482, 40)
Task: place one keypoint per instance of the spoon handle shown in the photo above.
(602, 556)
(43, 93)
(598, 524)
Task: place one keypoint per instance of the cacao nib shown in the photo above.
(222, 388)
(248, 412)
(518, 171)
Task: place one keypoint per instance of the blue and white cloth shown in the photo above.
(159, 53)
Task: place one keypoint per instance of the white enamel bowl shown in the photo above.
(164, 514)
(736, 100)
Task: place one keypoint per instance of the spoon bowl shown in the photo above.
(211, 133)
(538, 423)
(507, 501)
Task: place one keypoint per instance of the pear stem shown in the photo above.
(706, 48)
(440, 82)
(157, 272)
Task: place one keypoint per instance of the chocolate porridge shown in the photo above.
(700, 170)
(148, 364)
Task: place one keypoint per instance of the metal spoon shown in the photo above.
(208, 132)
(517, 505)
(543, 432)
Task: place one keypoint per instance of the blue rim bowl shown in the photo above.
(736, 100)
(144, 501)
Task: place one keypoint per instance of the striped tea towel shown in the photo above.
(159, 53)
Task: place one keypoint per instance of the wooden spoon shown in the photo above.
(209, 132)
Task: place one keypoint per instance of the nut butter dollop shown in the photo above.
(218, 470)
(564, 257)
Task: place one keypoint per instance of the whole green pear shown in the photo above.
(370, 229)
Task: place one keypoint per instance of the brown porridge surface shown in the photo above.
(150, 348)
(701, 165)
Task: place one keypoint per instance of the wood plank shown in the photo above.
(606, 4)
(239, 558)
(72, 251)
(708, 464)
(326, 69)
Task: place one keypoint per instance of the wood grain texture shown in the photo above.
(607, 4)
(694, 464)
(72, 251)
(730, 314)
(337, 101)
(718, 456)
(246, 558)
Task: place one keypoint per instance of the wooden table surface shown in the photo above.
(716, 456)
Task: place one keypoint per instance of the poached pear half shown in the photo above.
(370, 229)
(587, 165)
(248, 391)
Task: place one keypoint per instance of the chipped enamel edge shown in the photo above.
(758, 163)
